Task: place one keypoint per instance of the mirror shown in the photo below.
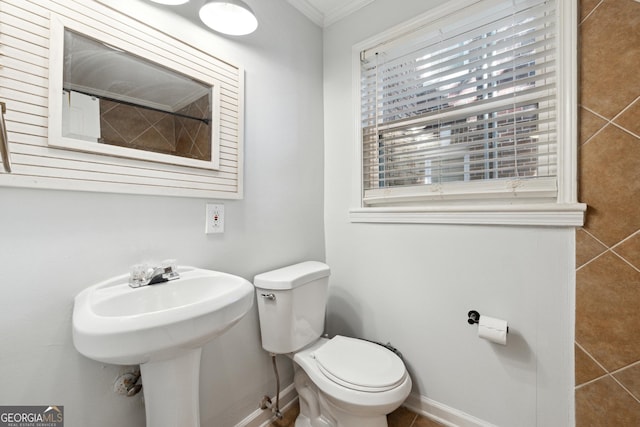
(112, 97)
(117, 102)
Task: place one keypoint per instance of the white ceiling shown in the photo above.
(326, 12)
(322, 12)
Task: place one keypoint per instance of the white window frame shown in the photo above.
(480, 207)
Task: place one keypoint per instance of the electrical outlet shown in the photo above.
(215, 219)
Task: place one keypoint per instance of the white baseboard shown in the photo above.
(263, 417)
(442, 413)
(422, 405)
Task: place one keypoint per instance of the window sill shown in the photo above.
(548, 215)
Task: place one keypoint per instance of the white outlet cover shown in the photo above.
(215, 219)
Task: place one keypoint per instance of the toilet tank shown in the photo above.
(291, 305)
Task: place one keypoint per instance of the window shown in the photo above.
(462, 106)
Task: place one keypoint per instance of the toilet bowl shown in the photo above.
(342, 381)
(349, 388)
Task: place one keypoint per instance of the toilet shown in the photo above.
(342, 381)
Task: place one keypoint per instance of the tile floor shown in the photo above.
(401, 417)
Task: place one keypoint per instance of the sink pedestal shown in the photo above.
(171, 390)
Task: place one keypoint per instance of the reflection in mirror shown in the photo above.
(116, 98)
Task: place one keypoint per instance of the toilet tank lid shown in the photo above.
(292, 276)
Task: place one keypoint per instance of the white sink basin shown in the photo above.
(114, 323)
(162, 327)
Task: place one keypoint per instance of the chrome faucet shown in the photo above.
(143, 275)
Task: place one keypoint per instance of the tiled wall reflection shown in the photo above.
(136, 127)
(608, 247)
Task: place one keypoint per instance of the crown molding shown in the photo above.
(344, 10)
(325, 18)
(309, 10)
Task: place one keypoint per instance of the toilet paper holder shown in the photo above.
(474, 317)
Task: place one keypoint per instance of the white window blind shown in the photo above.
(463, 107)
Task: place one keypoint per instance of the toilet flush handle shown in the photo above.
(270, 296)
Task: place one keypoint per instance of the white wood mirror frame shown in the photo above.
(32, 89)
(190, 68)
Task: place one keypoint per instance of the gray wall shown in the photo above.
(55, 243)
(413, 285)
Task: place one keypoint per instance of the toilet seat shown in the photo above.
(360, 365)
(349, 399)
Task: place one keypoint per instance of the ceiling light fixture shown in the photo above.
(170, 2)
(232, 17)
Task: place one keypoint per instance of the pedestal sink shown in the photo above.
(162, 328)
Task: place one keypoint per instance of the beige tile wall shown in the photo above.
(129, 126)
(145, 129)
(608, 246)
(193, 138)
